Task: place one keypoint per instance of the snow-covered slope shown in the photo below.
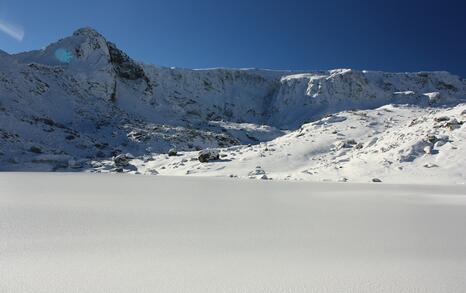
(100, 234)
(393, 144)
(80, 101)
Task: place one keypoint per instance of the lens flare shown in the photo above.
(63, 55)
(15, 32)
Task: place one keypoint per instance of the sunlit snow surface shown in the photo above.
(110, 233)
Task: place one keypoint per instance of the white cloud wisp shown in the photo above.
(15, 32)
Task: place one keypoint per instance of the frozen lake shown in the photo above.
(111, 233)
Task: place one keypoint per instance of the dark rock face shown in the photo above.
(124, 66)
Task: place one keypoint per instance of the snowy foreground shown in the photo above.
(122, 233)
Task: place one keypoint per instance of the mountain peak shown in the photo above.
(88, 31)
(86, 45)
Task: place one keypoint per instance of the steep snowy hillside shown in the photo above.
(80, 102)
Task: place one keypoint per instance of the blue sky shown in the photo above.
(395, 35)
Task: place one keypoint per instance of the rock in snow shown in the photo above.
(208, 155)
(172, 152)
(122, 160)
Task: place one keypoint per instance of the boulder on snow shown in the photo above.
(442, 119)
(258, 173)
(122, 160)
(453, 124)
(430, 165)
(447, 122)
(172, 152)
(152, 172)
(376, 180)
(431, 139)
(333, 118)
(359, 146)
(208, 155)
(346, 144)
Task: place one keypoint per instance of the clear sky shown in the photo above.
(391, 35)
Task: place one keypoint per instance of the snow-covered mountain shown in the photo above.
(81, 101)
